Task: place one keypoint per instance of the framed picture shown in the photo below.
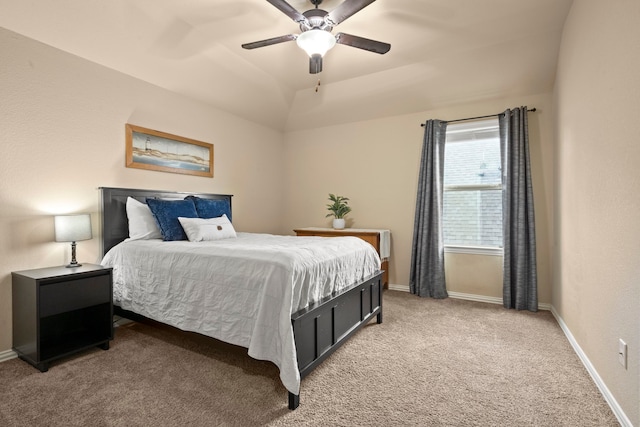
(160, 151)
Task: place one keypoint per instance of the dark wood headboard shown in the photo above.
(113, 207)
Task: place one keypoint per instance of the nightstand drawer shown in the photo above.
(74, 294)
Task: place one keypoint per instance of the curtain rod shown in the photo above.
(474, 118)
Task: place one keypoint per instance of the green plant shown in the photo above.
(339, 206)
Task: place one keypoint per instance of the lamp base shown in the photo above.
(73, 262)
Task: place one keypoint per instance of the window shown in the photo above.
(473, 188)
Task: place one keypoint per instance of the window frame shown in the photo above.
(473, 249)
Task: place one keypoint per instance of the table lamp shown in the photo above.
(73, 228)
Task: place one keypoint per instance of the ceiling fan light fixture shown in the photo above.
(316, 26)
(316, 42)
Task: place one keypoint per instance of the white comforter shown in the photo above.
(241, 290)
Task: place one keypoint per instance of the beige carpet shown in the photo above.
(431, 363)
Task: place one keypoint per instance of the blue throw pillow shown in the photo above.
(211, 208)
(167, 212)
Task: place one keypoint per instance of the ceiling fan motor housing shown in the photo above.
(316, 26)
(315, 20)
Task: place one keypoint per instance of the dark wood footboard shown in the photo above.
(324, 326)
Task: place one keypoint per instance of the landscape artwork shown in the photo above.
(160, 151)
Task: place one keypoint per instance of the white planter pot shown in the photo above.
(338, 223)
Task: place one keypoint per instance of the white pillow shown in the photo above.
(142, 223)
(206, 229)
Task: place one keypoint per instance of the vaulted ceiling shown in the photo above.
(443, 52)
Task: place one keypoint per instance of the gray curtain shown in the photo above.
(520, 278)
(427, 255)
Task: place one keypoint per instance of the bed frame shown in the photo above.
(318, 329)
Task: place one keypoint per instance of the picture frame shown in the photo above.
(160, 151)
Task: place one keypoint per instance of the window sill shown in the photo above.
(474, 250)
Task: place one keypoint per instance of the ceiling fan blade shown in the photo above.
(269, 42)
(315, 64)
(288, 10)
(362, 43)
(346, 10)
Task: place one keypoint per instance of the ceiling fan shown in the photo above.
(316, 25)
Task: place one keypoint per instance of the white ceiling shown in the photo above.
(443, 52)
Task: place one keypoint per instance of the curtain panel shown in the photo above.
(520, 278)
(427, 277)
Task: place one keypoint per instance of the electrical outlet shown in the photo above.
(622, 353)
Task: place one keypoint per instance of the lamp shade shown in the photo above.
(73, 228)
(316, 42)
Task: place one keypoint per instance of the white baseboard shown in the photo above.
(469, 297)
(613, 403)
(473, 297)
(490, 300)
(7, 355)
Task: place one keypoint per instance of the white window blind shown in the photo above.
(472, 185)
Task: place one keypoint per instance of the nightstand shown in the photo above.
(58, 311)
(379, 239)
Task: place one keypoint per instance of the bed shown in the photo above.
(308, 328)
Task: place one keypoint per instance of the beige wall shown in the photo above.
(472, 274)
(375, 163)
(597, 273)
(62, 136)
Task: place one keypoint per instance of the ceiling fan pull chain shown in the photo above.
(318, 85)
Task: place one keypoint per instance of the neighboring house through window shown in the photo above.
(473, 188)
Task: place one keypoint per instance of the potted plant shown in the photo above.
(338, 208)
